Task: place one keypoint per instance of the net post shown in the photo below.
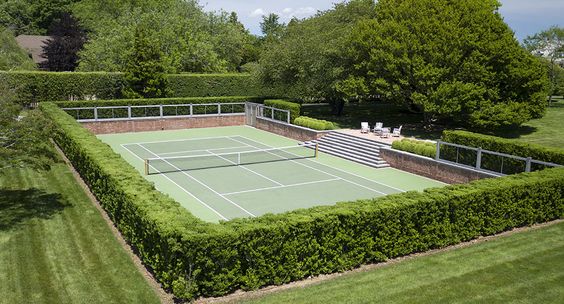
(146, 167)
(316, 149)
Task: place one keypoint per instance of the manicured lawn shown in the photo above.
(56, 248)
(526, 267)
(548, 131)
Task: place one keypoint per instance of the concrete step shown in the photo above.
(377, 164)
(351, 154)
(356, 139)
(332, 141)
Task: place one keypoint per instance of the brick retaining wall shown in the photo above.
(123, 126)
(445, 172)
(288, 130)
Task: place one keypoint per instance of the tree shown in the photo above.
(305, 63)
(144, 72)
(450, 60)
(32, 17)
(549, 44)
(61, 50)
(271, 27)
(12, 57)
(23, 135)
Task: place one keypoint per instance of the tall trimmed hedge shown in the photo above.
(194, 258)
(156, 101)
(503, 145)
(294, 108)
(51, 86)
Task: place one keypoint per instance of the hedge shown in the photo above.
(419, 147)
(294, 108)
(194, 258)
(503, 145)
(36, 86)
(156, 101)
(312, 123)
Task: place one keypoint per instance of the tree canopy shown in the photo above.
(12, 57)
(451, 60)
(305, 62)
(67, 39)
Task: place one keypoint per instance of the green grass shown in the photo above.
(548, 131)
(56, 248)
(526, 267)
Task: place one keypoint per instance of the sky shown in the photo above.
(525, 17)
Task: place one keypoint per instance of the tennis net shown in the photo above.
(158, 165)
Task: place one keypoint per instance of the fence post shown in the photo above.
(528, 164)
(438, 152)
(288, 117)
(96, 113)
(272, 113)
(191, 110)
(161, 110)
(219, 109)
(479, 158)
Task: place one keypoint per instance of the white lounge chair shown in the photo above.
(378, 128)
(385, 133)
(364, 127)
(397, 132)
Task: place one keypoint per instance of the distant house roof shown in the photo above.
(33, 45)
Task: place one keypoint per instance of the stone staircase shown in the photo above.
(353, 148)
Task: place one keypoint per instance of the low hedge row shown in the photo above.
(194, 258)
(34, 86)
(503, 145)
(312, 123)
(294, 108)
(419, 147)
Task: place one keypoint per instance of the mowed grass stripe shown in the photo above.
(60, 250)
(525, 267)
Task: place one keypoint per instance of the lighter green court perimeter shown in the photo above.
(280, 200)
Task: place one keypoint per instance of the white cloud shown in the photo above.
(257, 13)
(287, 10)
(304, 12)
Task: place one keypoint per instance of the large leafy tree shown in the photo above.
(67, 39)
(23, 135)
(12, 57)
(549, 44)
(144, 71)
(32, 17)
(451, 60)
(306, 62)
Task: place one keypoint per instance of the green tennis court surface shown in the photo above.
(231, 172)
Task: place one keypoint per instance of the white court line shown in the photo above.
(176, 140)
(362, 177)
(201, 150)
(319, 170)
(183, 189)
(283, 186)
(201, 183)
(243, 167)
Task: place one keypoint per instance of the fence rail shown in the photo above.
(113, 113)
(273, 113)
(486, 160)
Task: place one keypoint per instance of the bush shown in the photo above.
(312, 123)
(503, 145)
(51, 86)
(294, 108)
(155, 101)
(194, 258)
(419, 147)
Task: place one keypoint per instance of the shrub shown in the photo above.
(294, 108)
(503, 145)
(418, 147)
(155, 101)
(51, 86)
(194, 258)
(312, 123)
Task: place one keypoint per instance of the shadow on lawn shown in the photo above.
(19, 206)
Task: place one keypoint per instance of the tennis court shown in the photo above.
(233, 172)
